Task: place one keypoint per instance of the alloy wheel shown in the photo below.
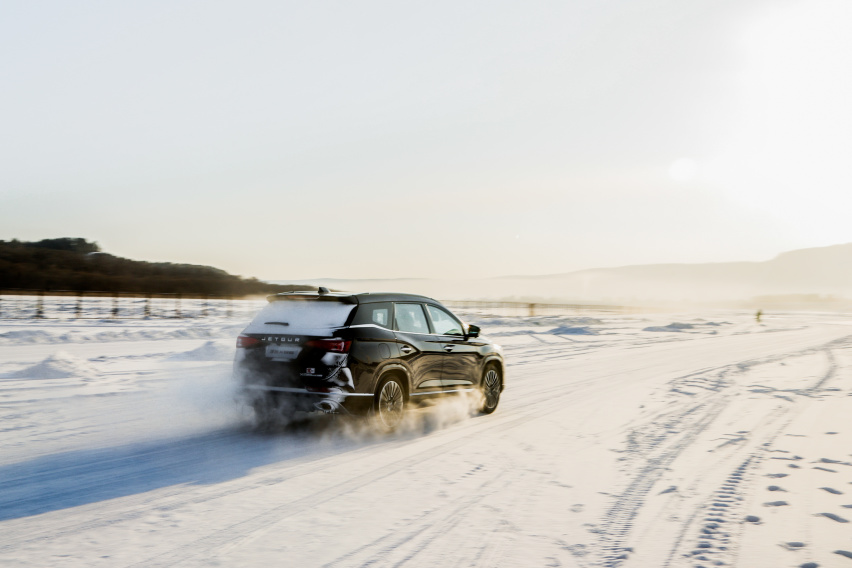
(491, 390)
(391, 405)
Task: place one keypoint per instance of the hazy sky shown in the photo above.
(414, 139)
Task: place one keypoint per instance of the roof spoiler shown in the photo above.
(314, 296)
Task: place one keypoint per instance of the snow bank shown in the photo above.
(491, 322)
(60, 365)
(41, 336)
(210, 351)
(674, 326)
(28, 336)
(568, 330)
(526, 325)
(678, 326)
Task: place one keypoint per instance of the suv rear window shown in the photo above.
(300, 317)
(378, 314)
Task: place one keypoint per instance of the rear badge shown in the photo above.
(282, 352)
(310, 372)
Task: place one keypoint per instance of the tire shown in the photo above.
(492, 385)
(389, 404)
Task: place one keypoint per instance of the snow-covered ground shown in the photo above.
(655, 441)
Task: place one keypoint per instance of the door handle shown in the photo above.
(448, 348)
(405, 349)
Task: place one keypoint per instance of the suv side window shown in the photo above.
(444, 323)
(378, 314)
(410, 318)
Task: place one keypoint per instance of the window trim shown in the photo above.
(388, 325)
(426, 317)
(356, 313)
(446, 311)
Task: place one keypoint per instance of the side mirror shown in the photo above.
(472, 330)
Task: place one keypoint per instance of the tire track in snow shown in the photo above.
(539, 407)
(543, 406)
(730, 493)
(618, 521)
(707, 541)
(434, 525)
(233, 535)
(39, 530)
(540, 401)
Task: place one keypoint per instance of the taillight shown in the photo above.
(335, 345)
(246, 341)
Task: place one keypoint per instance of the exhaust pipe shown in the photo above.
(329, 406)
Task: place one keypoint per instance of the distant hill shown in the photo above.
(815, 275)
(814, 271)
(80, 265)
(805, 275)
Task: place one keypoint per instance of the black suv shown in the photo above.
(360, 354)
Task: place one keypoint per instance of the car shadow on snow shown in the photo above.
(82, 477)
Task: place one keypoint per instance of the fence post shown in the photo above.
(115, 305)
(532, 309)
(148, 307)
(177, 306)
(40, 305)
(78, 311)
(204, 307)
(230, 306)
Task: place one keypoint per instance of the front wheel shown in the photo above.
(389, 405)
(492, 384)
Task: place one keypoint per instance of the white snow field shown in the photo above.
(685, 440)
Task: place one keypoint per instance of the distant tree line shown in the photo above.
(79, 265)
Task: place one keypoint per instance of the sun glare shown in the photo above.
(683, 169)
(790, 149)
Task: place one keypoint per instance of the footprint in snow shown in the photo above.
(832, 516)
(776, 504)
(827, 460)
(775, 488)
(777, 475)
(577, 549)
(793, 545)
(825, 469)
(832, 491)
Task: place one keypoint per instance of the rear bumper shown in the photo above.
(293, 399)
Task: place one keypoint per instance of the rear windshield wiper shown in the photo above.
(276, 323)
